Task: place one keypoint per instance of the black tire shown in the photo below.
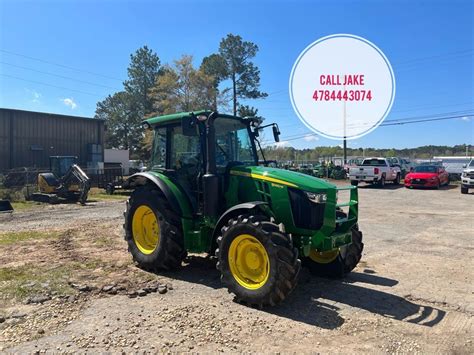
(397, 180)
(109, 189)
(381, 182)
(170, 251)
(354, 182)
(283, 260)
(347, 259)
(464, 190)
(438, 185)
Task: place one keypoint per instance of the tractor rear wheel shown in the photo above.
(257, 261)
(338, 262)
(153, 232)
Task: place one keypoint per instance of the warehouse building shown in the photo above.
(28, 139)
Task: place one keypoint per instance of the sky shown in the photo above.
(65, 56)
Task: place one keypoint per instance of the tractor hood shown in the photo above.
(283, 177)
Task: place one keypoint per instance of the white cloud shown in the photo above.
(282, 144)
(466, 118)
(35, 96)
(311, 137)
(69, 102)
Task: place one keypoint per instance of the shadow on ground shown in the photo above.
(316, 301)
(388, 186)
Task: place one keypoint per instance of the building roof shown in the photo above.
(176, 117)
(50, 114)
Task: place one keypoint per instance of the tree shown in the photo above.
(244, 75)
(215, 67)
(247, 111)
(182, 88)
(143, 70)
(123, 120)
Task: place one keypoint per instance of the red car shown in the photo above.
(427, 176)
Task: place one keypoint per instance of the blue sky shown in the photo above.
(429, 44)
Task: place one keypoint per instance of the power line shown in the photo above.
(54, 86)
(60, 76)
(61, 65)
(387, 123)
(439, 56)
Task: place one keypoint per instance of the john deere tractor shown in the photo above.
(206, 191)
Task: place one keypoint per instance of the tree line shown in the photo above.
(222, 80)
(424, 152)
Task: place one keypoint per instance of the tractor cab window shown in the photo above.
(60, 165)
(185, 152)
(233, 143)
(158, 156)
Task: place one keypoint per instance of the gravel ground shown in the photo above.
(412, 291)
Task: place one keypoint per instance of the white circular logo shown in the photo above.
(342, 86)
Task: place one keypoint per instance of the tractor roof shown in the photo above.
(176, 117)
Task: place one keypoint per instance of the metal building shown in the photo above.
(28, 139)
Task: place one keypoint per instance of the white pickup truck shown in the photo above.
(467, 177)
(375, 170)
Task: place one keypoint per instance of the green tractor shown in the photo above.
(205, 192)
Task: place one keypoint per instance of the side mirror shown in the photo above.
(276, 133)
(464, 166)
(188, 125)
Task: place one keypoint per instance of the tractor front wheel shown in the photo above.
(338, 262)
(257, 261)
(153, 233)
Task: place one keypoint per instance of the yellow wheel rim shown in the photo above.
(249, 262)
(323, 257)
(145, 229)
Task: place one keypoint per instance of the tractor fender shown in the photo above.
(140, 179)
(238, 210)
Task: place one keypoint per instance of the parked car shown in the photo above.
(427, 176)
(375, 170)
(467, 178)
(404, 163)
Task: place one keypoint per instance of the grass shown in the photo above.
(15, 237)
(100, 195)
(24, 205)
(23, 281)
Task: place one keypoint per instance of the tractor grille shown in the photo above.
(306, 214)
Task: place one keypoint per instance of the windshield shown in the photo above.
(373, 162)
(471, 164)
(425, 169)
(233, 142)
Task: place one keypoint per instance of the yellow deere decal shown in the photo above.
(262, 177)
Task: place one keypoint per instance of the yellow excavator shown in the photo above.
(65, 181)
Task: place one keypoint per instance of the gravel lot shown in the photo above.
(412, 291)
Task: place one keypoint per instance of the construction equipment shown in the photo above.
(66, 181)
(205, 192)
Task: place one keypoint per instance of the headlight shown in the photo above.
(464, 174)
(433, 178)
(316, 198)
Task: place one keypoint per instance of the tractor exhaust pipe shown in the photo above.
(210, 180)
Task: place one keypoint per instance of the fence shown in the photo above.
(24, 181)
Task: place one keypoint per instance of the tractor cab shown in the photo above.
(208, 191)
(195, 153)
(59, 165)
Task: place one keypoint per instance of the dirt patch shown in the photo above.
(411, 292)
